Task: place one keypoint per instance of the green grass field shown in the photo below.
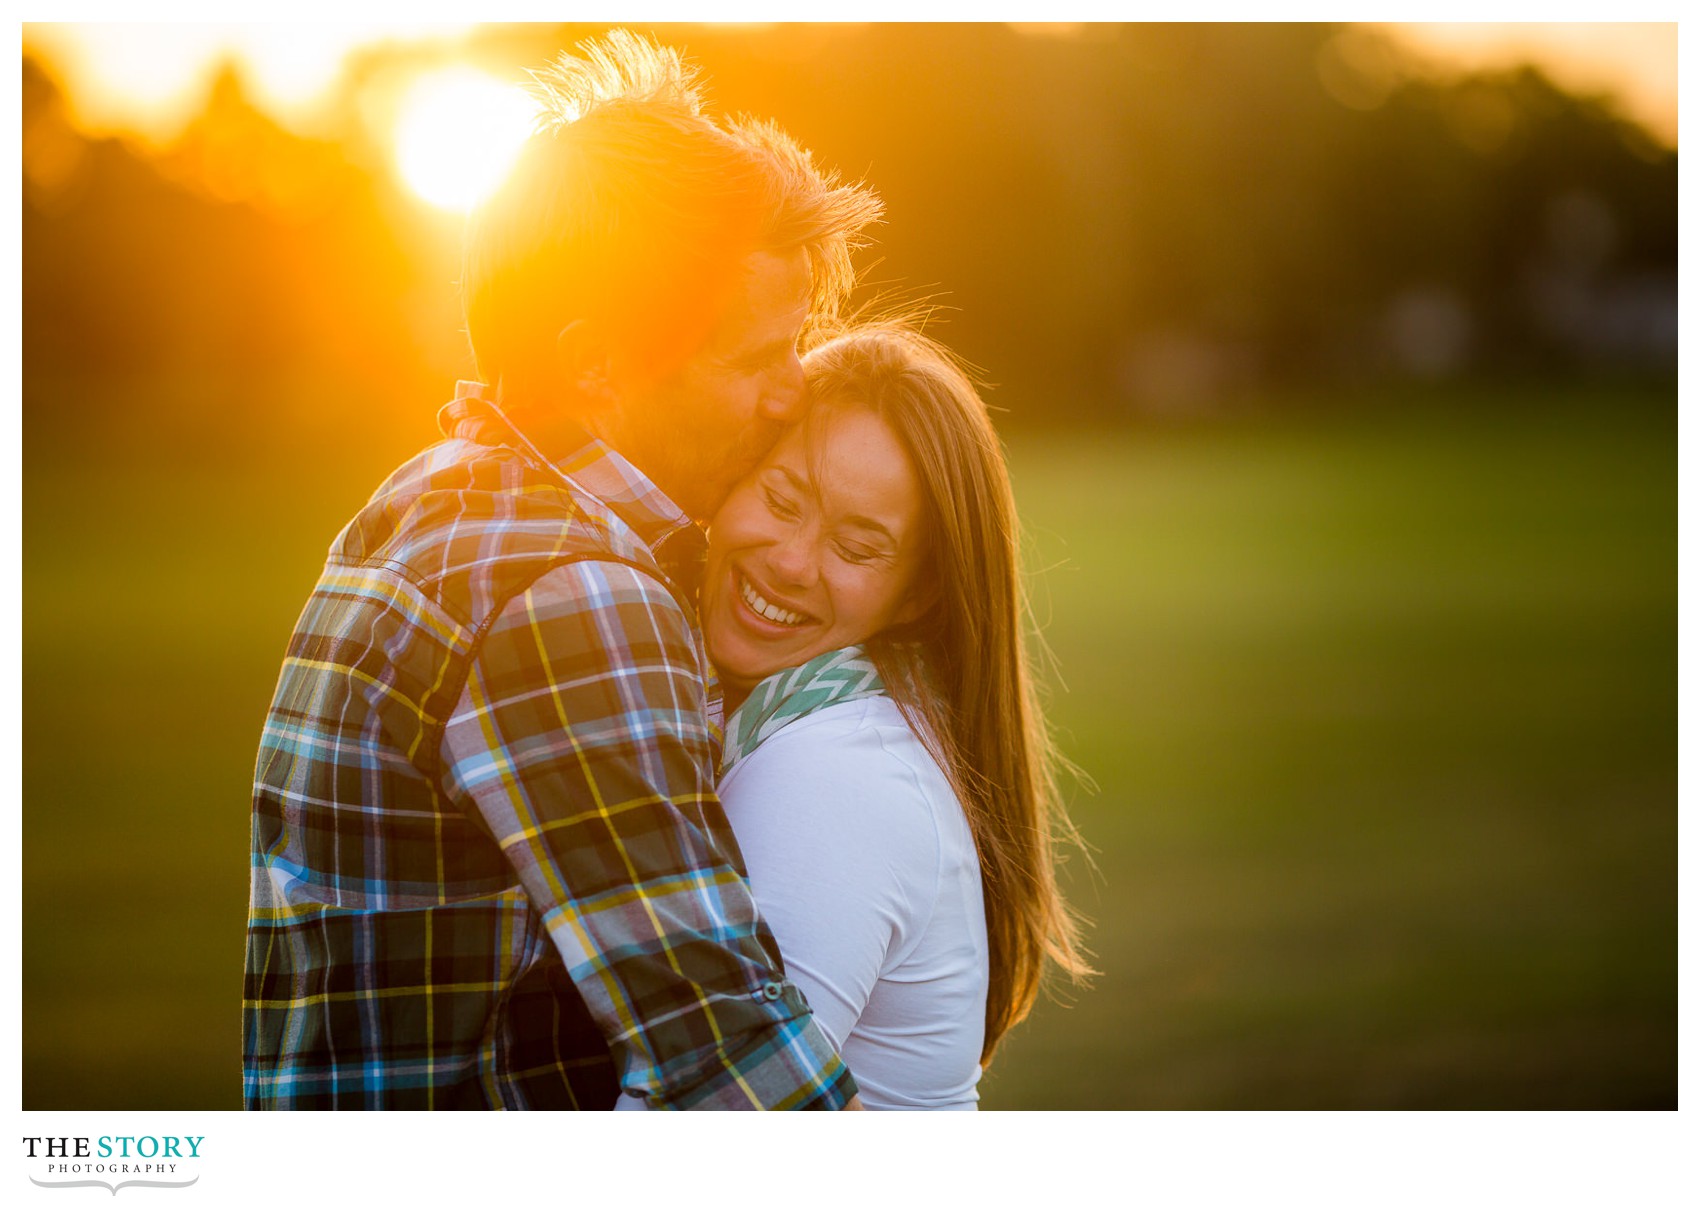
(1381, 710)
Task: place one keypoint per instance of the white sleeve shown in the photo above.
(843, 851)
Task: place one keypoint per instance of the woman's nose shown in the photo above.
(793, 560)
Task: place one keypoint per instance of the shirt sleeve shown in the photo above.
(582, 739)
(843, 850)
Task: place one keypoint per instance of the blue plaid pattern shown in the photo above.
(489, 868)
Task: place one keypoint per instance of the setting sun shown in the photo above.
(458, 133)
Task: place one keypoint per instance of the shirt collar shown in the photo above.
(592, 466)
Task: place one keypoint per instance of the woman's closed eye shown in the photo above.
(857, 554)
(780, 506)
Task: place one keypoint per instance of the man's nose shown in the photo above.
(783, 399)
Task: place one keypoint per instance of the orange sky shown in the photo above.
(1635, 62)
(149, 77)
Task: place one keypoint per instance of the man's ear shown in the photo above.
(585, 365)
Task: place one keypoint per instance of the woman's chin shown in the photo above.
(740, 670)
(755, 648)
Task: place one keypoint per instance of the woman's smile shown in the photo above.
(766, 611)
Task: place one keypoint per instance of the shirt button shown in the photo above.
(772, 991)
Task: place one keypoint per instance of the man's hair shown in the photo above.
(632, 209)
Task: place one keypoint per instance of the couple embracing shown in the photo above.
(565, 802)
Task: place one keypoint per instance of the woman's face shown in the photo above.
(816, 549)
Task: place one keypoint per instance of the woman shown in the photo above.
(887, 773)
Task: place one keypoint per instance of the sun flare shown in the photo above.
(458, 133)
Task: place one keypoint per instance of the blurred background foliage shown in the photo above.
(1341, 402)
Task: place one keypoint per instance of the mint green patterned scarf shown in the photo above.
(832, 677)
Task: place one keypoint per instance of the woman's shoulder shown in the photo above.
(861, 739)
(854, 775)
(854, 767)
(848, 796)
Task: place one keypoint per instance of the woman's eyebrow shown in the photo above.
(858, 520)
(797, 482)
(862, 522)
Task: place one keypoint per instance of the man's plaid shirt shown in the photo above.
(489, 868)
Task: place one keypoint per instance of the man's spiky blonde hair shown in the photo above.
(631, 207)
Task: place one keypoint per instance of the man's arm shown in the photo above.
(582, 739)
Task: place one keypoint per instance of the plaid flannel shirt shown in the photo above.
(489, 868)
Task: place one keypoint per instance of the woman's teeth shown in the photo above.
(766, 609)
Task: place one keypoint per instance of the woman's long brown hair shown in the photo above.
(962, 672)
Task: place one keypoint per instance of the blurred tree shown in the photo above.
(1122, 218)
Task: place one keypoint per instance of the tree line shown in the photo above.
(1125, 219)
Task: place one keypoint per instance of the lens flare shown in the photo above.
(458, 133)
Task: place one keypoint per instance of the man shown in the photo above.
(489, 868)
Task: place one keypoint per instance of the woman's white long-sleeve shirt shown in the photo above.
(862, 862)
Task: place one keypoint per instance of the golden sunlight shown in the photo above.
(151, 78)
(1632, 61)
(458, 133)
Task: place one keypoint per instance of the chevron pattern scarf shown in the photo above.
(832, 677)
